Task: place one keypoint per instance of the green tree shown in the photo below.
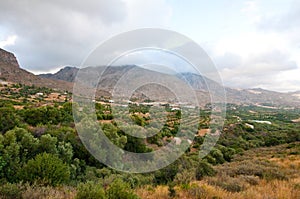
(10, 156)
(65, 151)
(204, 169)
(48, 144)
(46, 169)
(8, 119)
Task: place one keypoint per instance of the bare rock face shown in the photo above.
(10, 71)
(8, 65)
(8, 58)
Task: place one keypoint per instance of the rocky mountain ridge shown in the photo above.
(63, 80)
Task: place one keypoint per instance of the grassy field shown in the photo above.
(272, 172)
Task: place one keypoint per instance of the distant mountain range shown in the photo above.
(67, 73)
(63, 80)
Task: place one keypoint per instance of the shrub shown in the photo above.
(204, 169)
(167, 174)
(228, 183)
(46, 169)
(8, 119)
(260, 168)
(10, 191)
(119, 189)
(196, 191)
(185, 176)
(218, 156)
(90, 190)
(171, 189)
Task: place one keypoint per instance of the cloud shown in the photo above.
(8, 41)
(287, 21)
(58, 32)
(250, 6)
(255, 59)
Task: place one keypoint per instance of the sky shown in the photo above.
(253, 43)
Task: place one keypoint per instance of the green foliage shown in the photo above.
(136, 145)
(218, 156)
(204, 169)
(166, 175)
(10, 191)
(65, 151)
(46, 169)
(48, 144)
(90, 190)
(10, 156)
(171, 189)
(120, 190)
(42, 115)
(8, 118)
(111, 132)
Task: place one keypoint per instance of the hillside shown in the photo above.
(239, 96)
(10, 71)
(67, 73)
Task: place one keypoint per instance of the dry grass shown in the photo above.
(49, 193)
(149, 192)
(276, 189)
(237, 180)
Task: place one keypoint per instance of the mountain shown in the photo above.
(67, 73)
(64, 79)
(257, 96)
(10, 71)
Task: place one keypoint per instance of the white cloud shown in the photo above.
(55, 33)
(8, 41)
(261, 61)
(250, 6)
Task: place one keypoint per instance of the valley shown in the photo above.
(42, 154)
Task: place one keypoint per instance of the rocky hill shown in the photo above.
(255, 96)
(63, 80)
(67, 73)
(10, 71)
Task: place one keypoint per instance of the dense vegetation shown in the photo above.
(39, 147)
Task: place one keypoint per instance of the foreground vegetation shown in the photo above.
(41, 155)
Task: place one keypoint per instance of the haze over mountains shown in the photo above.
(10, 71)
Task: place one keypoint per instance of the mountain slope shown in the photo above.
(200, 83)
(10, 71)
(63, 80)
(67, 73)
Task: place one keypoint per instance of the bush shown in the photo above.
(260, 168)
(228, 183)
(167, 174)
(90, 190)
(172, 191)
(46, 169)
(10, 191)
(119, 189)
(204, 169)
(185, 176)
(196, 191)
(8, 119)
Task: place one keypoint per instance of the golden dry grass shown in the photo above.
(278, 156)
(264, 190)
